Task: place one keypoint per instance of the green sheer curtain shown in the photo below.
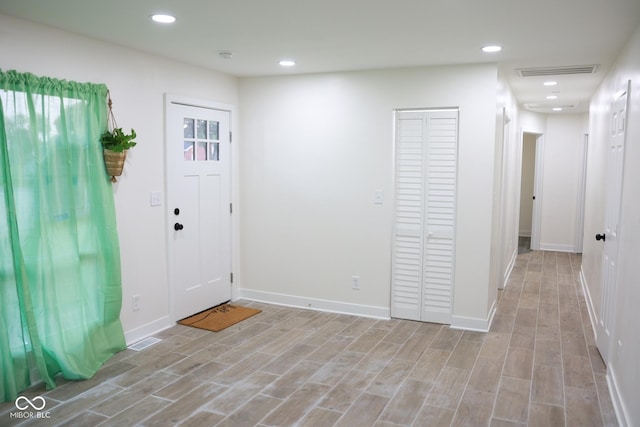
(60, 286)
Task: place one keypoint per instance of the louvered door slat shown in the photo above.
(440, 195)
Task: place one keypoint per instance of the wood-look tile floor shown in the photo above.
(538, 366)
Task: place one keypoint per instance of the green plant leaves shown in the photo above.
(116, 140)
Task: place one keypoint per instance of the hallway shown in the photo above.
(538, 366)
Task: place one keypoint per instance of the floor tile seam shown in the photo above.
(390, 400)
(564, 388)
(424, 403)
(311, 407)
(282, 401)
(415, 334)
(346, 411)
(595, 383)
(533, 358)
(504, 361)
(466, 387)
(145, 418)
(249, 338)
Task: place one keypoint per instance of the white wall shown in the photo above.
(561, 175)
(624, 365)
(315, 148)
(137, 83)
(504, 241)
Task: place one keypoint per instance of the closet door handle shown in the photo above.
(602, 237)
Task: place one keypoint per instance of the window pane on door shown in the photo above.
(188, 151)
(202, 129)
(214, 151)
(213, 130)
(201, 152)
(189, 131)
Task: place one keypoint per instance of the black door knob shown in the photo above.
(602, 237)
(176, 211)
(177, 226)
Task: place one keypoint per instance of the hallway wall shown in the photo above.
(624, 367)
(560, 178)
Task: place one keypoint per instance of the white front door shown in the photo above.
(198, 202)
(615, 161)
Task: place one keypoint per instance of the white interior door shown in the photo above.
(615, 162)
(198, 203)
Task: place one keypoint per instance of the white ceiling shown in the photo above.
(340, 35)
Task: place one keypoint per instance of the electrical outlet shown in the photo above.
(135, 302)
(355, 282)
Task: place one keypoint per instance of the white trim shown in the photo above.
(580, 200)
(507, 273)
(590, 308)
(622, 414)
(555, 247)
(315, 304)
(473, 323)
(149, 329)
(536, 218)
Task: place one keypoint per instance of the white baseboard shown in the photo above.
(472, 323)
(315, 304)
(524, 233)
(590, 308)
(622, 414)
(618, 403)
(149, 329)
(555, 247)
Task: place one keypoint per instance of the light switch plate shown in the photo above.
(378, 197)
(156, 198)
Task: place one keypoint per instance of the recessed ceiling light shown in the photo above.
(552, 97)
(550, 83)
(492, 49)
(557, 109)
(287, 63)
(163, 18)
(225, 54)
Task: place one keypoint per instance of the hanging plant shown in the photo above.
(115, 144)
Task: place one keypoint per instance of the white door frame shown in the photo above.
(170, 99)
(537, 187)
(536, 217)
(582, 189)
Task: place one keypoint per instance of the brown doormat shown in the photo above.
(217, 318)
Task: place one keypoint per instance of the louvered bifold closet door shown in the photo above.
(424, 235)
(406, 289)
(440, 214)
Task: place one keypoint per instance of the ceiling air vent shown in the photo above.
(532, 106)
(557, 71)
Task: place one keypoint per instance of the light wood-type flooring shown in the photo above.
(537, 366)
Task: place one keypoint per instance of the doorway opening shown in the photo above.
(530, 192)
